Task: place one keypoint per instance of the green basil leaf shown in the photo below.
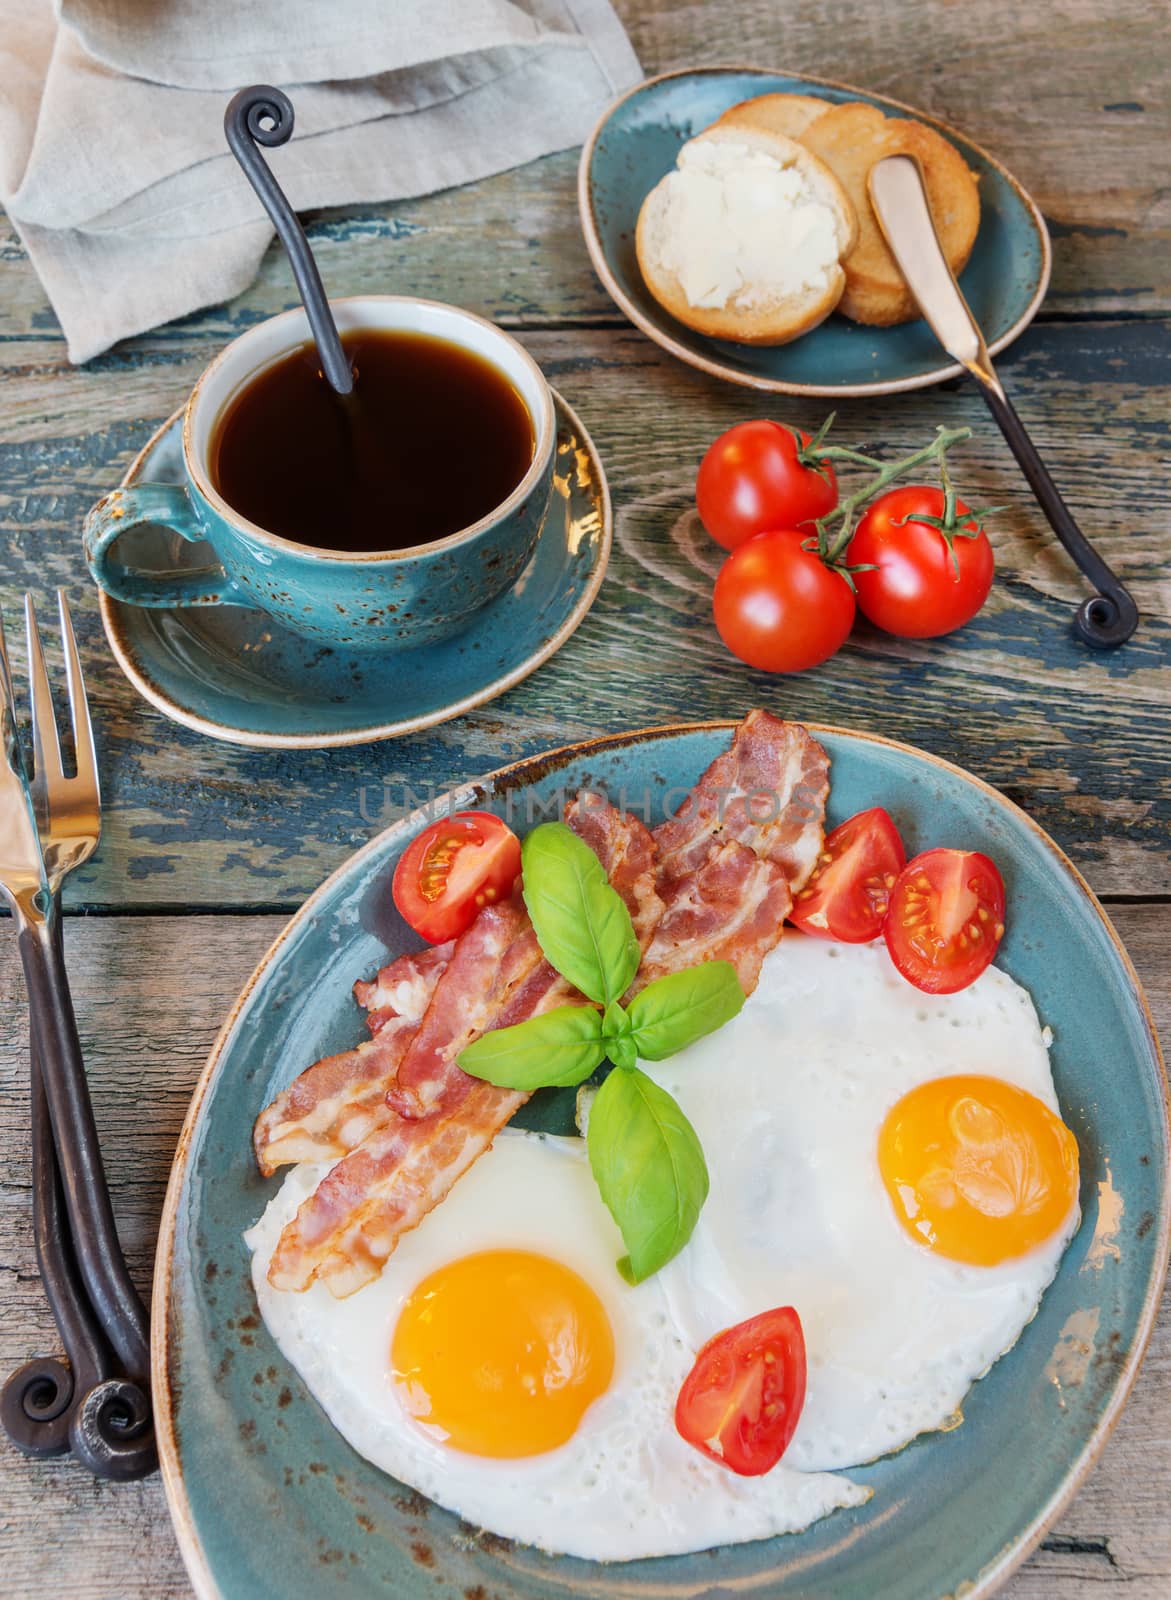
(616, 1036)
(649, 1168)
(560, 1047)
(676, 1010)
(582, 923)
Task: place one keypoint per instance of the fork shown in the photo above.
(99, 1405)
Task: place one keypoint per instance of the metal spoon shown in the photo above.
(1107, 618)
(265, 115)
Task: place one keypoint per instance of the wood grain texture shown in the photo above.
(1080, 739)
(1077, 103)
(150, 995)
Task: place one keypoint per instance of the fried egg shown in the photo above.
(891, 1164)
(828, 1111)
(502, 1367)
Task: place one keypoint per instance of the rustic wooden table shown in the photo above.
(208, 848)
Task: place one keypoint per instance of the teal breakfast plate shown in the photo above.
(635, 143)
(268, 1499)
(228, 671)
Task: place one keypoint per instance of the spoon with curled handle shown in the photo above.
(262, 115)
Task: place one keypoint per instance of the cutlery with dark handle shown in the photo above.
(1107, 618)
(99, 1406)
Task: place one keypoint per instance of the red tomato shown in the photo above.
(778, 606)
(741, 1401)
(919, 587)
(946, 919)
(750, 480)
(848, 892)
(451, 870)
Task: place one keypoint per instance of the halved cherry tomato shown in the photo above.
(946, 919)
(847, 895)
(750, 480)
(454, 868)
(741, 1401)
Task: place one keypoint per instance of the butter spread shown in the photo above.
(737, 225)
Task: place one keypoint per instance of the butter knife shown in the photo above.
(1106, 618)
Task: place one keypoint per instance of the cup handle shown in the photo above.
(169, 506)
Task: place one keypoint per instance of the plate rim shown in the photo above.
(1016, 1551)
(127, 661)
(715, 368)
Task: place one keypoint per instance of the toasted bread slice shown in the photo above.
(759, 310)
(850, 138)
(787, 114)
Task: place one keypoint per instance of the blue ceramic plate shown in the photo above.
(636, 143)
(227, 670)
(268, 1499)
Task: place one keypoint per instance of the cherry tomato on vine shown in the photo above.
(741, 1401)
(847, 895)
(451, 870)
(778, 606)
(919, 587)
(750, 480)
(945, 919)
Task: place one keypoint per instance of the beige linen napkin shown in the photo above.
(113, 165)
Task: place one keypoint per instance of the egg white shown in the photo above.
(788, 1100)
(626, 1485)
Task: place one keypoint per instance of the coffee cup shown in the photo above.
(385, 598)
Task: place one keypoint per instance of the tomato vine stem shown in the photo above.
(836, 528)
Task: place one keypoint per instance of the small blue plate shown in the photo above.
(230, 672)
(635, 143)
(268, 1499)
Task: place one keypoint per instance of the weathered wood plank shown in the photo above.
(150, 994)
(1080, 739)
(1089, 141)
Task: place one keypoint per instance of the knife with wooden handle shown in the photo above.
(1107, 618)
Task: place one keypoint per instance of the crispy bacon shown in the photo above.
(627, 851)
(337, 1102)
(491, 959)
(768, 791)
(348, 1227)
(392, 992)
(496, 976)
(729, 909)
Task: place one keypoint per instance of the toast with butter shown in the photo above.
(745, 239)
(850, 138)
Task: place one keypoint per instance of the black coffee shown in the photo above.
(432, 438)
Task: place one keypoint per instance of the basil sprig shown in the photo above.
(645, 1155)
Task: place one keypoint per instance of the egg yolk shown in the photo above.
(977, 1169)
(503, 1350)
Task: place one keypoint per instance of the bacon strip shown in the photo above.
(768, 791)
(393, 991)
(729, 909)
(335, 1103)
(348, 1227)
(496, 976)
(730, 859)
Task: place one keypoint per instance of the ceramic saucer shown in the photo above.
(635, 143)
(236, 675)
